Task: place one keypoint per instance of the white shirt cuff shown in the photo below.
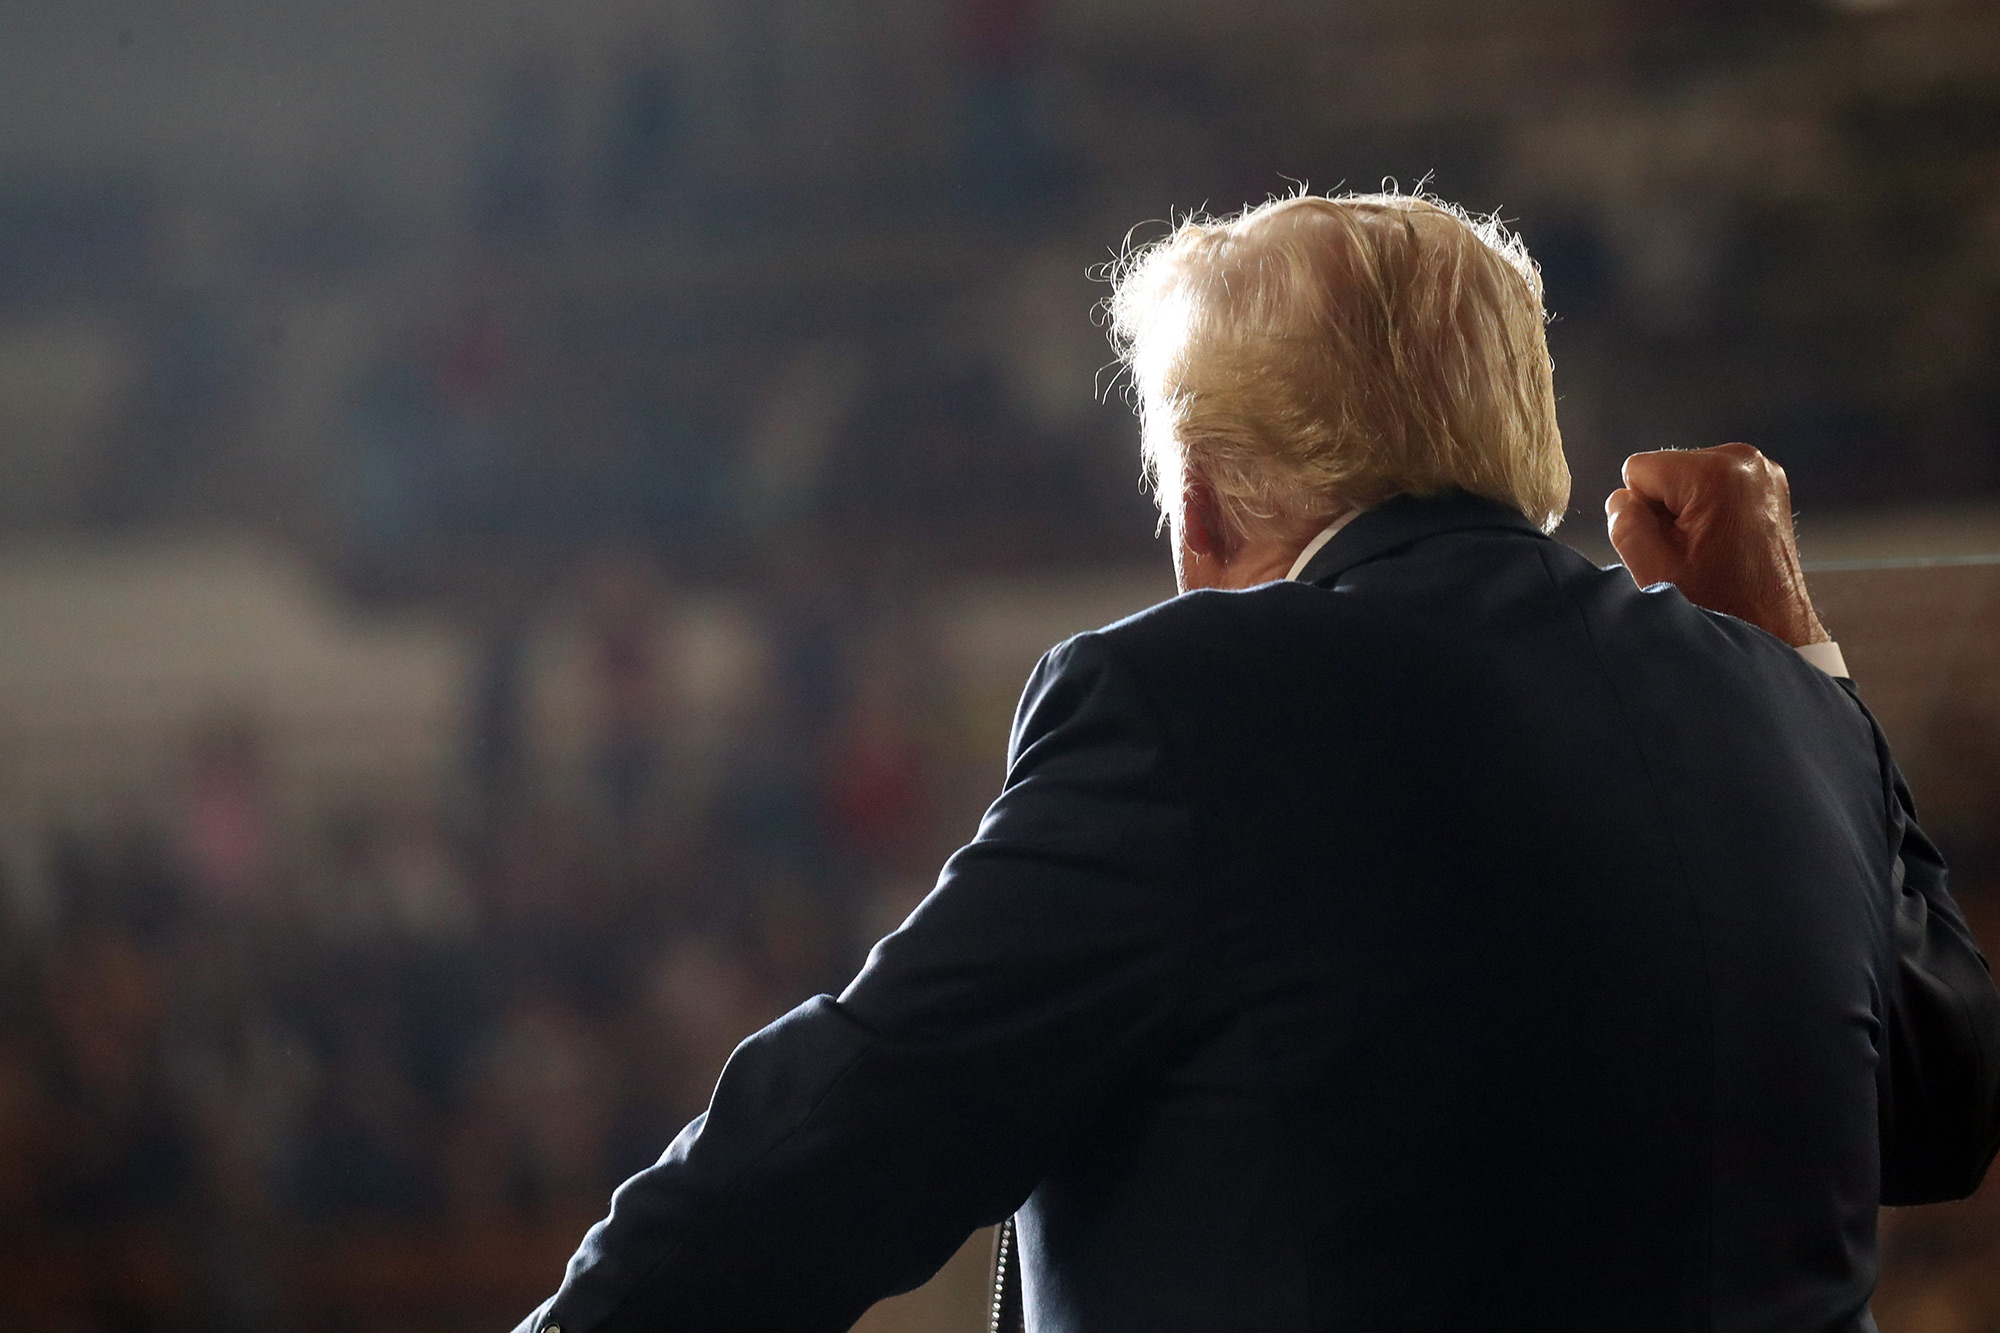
(1825, 656)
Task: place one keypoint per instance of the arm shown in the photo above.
(1939, 1076)
(1718, 523)
(853, 1145)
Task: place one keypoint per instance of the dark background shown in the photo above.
(520, 524)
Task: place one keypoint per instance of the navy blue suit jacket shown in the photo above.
(1457, 938)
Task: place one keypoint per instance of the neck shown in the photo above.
(1264, 558)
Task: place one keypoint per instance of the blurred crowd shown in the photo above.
(473, 1014)
(702, 293)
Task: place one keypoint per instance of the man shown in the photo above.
(1411, 927)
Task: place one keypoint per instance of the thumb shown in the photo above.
(1641, 533)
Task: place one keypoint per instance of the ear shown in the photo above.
(1203, 531)
(1202, 547)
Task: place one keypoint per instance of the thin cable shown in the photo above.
(1866, 563)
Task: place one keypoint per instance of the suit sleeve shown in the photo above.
(853, 1145)
(1939, 1073)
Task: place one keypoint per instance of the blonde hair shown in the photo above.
(1317, 354)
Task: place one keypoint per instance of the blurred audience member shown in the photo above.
(541, 1107)
(624, 624)
(793, 432)
(391, 877)
(699, 994)
(874, 768)
(363, 1149)
(496, 726)
(518, 176)
(643, 143)
(1005, 160)
(121, 1153)
(226, 833)
(26, 1131)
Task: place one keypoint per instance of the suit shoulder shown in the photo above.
(1203, 616)
(1699, 654)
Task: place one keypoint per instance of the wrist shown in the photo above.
(1801, 621)
(1798, 626)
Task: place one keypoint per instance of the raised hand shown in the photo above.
(1716, 523)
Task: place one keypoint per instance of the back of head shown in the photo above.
(1314, 355)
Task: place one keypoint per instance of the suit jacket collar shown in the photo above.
(1403, 519)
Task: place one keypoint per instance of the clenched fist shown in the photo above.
(1716, 523)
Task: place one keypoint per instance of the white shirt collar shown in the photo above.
(1313, 546)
